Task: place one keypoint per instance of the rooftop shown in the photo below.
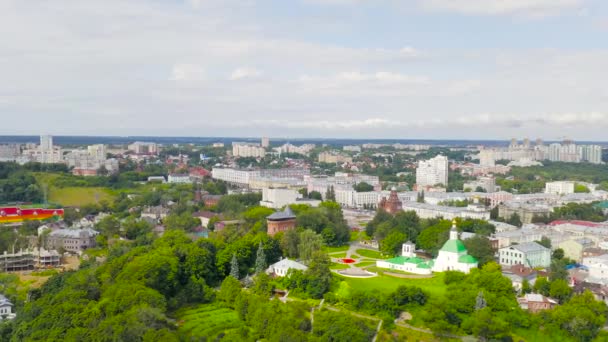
(528, 247)
(282, 215)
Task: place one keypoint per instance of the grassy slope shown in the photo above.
(206, 321)
(434, 286)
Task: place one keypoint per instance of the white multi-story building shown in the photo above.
(592, 153)
(289, 148)
(140, 147)
(352, 148)
(240, 149)
(47, 153)
(598, 269)
(265, 142)
(178, 178)
(425, 210)
(87, 163)
(488, 184)
(432, 172)
(334, 158)
(234, 176)
(559, 188)
(278, 198)
(530, 254)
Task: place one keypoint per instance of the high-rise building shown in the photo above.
(265, 142)
(433, 171)
(592, 153)
(47, 153)
(46, 142)
(240, 149)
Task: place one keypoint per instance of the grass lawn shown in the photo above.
(338, 255)
(365, 263)
(205, 322)
(329, 249)
(371, 254)
(335, 266)
(77, 196)
(354, 256)
(434, 286)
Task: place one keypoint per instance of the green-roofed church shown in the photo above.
(453, 256)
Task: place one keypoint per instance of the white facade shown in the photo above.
(282, 267)
(140, 147)
(234, 176)
(334, 158)
(432, 172)
(598, 268)
(278, 198)
(529, 254)
(453, 256)
(559, 188)
(6, 308)
(352, 148)
(425, 210)
(179, 178)
(91, 160)
(265, 142)
(247, 150)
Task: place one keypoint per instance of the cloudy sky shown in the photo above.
(306, 68)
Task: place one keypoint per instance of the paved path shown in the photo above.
(427, 331)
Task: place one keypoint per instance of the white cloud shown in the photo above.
(245, 72)
(187, 72)
(531, 8)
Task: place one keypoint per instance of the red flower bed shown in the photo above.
(348, 260)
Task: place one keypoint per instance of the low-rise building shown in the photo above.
(73, 240)
(536, 302)
(281, 268)
(180, 178)
(407, 262)
(334, 158)
(425, 210)
(204, 217)
(559, 188)
(6, 308)
(573, 248)
(598, 269)
(157, 213)
(530, 254)
(19, 261)
(281, 221)
(518, 274)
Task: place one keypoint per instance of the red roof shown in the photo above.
(575, 222)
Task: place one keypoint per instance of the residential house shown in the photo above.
(157, 213)
(598, 269)
(6, 308)
(530, 254)
(534, 302)
(73, 240)
(179, 178)
(282, 267)
(518, 273)
(204, 217)
(573, 249)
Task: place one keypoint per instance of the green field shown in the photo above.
(338, 255)
(368, 253)
(205, 322)
(335, 266)
(434, 286)
(329, 249)
(77, 196)
(365, 264)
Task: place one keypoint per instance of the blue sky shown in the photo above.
(478, 69)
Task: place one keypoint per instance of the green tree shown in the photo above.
(363, 187)
(558, 254)
(391, 245)
(582, 316)
(515, 220)
(260, 260)
(525, 286)
(542, 286)
(560, 290)
(481, 248)
(581, 188)
(289, 243)
(315, 195)
(234, 267)
(309, 243)
(229, 290)
(545, 241)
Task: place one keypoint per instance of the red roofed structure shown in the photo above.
(576, 222)
(16, 214)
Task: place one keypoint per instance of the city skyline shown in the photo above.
(314, 68)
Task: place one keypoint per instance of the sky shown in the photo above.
(429, 69)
